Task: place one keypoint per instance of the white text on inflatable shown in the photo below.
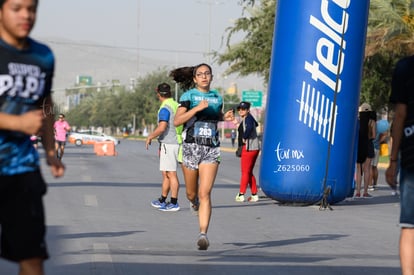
(329, 44)
(287, 153)
(317, 111)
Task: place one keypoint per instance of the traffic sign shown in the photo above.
(254, 97)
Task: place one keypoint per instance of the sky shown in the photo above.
(168, 33)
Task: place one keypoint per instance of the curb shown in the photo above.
(382, 165)
(228, 149)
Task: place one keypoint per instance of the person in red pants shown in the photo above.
(249, 141)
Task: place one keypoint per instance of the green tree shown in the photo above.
(143, 102)
(116, 107)
(97, 108)
(390, 27)
(79, 116)
(230, 101)
(252, 54)
(376, 80)
(389, 37)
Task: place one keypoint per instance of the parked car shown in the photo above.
(89, 137)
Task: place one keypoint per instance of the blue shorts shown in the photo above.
(194, 154)
(22, 218)
(407, 198)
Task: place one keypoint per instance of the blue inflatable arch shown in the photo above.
(312, 105)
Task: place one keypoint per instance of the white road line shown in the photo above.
(87, 178)
(101, 253)
(102, 260)
(91, 200)
(228, 181)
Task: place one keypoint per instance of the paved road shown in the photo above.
(100, 222)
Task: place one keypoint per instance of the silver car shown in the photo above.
(89, 137)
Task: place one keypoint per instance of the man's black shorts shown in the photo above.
(61, 143)
(22, 220)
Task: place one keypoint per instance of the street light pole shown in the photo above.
(209, 32)
(210, 4)
(176, 85)
(223, 122)
(223, 93)
(138, 34)
(133, 123)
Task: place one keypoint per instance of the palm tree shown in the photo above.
(390, 27)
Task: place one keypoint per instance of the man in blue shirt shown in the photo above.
(169, 138)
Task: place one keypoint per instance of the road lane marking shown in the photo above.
(91, 200)
(87, 178)
(101, 253)
(102, 260)
(228, 181)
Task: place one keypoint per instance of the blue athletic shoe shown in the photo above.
(157, 204)
(170, 207)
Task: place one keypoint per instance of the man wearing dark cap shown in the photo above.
(169, 138)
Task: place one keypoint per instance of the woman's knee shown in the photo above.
(204, 195)
(191, 195)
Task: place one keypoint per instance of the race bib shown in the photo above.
(205, 133)
(204, 129)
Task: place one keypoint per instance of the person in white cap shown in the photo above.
(365, 150)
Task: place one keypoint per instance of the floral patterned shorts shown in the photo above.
(194, 154)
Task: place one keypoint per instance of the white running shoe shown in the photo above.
(202, 242)
(253, 198)
(239, 198)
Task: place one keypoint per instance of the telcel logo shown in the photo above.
(317, 111)
(327, 46)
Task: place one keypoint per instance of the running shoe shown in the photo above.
(194, 207)
(202, 242)
(253, 198)
(157, 204)
(170, 207)
(239, 198)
